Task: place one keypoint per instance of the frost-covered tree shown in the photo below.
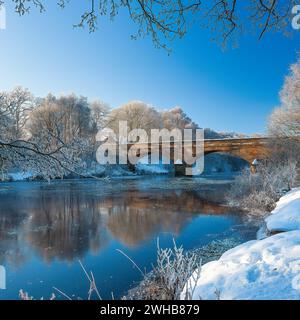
(138, 115)
(49, 137)
(15, 107)
(15, 149)
(61, 120)
(99, 114)
(177, 118)
(64, 125)
(285, 120)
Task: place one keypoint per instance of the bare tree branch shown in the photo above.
(165, 20)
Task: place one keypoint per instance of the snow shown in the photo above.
(255, 270)
(258, 269)
(151, 169)
(286, 216)
(20, 176)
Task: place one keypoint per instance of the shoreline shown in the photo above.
(266, 268)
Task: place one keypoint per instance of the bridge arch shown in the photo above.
(249, 158)
(248, 149)
(224, 162)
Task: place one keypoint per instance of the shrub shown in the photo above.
(174, 271)
(259, 192)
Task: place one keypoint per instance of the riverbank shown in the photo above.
(259, 269)
(215, 164)
(153, 288)
(98, 171)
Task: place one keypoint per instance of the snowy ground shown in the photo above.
(286, 216)
(259, 269)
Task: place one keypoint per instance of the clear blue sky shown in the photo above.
(233, 90)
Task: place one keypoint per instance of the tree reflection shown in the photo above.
(11, 222)
(136, 217)
(65, 226)
(68, 223)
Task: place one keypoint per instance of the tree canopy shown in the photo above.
(165, 20)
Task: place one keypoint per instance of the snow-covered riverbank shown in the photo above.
(100, 171)
(286, 216)
(259, 269)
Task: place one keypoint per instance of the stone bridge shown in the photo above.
(248, 149)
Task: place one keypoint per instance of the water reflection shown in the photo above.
(136, 218)
(65, 226)
(66, 223)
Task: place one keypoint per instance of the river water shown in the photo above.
(45, 229)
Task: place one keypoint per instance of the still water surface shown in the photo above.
(46, 228)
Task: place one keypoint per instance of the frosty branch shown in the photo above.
(166, 20)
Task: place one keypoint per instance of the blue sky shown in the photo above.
(232, 90)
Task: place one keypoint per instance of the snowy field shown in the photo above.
(259, 269)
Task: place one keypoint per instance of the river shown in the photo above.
(45, 229)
